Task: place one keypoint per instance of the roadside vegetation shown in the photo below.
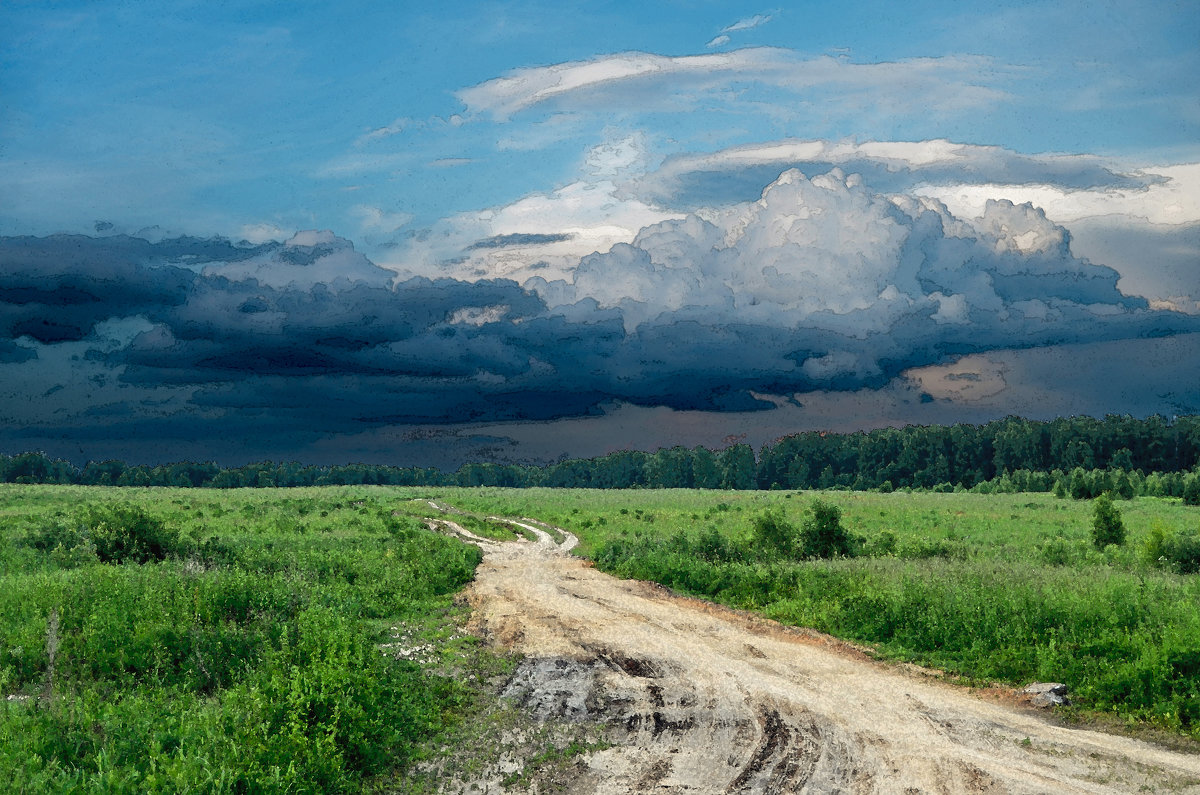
(181, 641)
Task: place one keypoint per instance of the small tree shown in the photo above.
(822, 535)
(1107, 527)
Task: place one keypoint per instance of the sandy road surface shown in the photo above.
(705, 700)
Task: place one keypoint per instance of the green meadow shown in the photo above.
(171, 640)
(305, 639)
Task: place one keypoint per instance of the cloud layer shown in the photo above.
(823, 284)
(738, 173)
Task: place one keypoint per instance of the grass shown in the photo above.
(264, 640)
(246, 657)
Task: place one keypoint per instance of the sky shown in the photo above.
(421, 234)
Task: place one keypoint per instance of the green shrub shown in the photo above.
(332, 708)
(713, 546)
(1107, 527)
(1059, 551)
(55, 534)
(1123, 485)
(111, 533)
(822, 535)
(772, 532)
(125, 532)
(1177, 550)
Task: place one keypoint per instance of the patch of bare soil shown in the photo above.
(700, 699)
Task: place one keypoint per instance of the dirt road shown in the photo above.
(706, 700)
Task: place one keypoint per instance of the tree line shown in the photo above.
(1076, 456)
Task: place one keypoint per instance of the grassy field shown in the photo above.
(249, 641)
(257, 640)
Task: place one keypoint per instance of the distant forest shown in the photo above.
(1077, 456)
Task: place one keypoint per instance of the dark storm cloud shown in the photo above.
(10, 352)
(56, 289)
(519, 239)
(227, 329)
(1159, 261)
(821, 285)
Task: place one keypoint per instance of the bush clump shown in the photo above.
(1177, 550)
(1191, 489)
(114, 533)
(127, 533)
(820, 536)
(771, 532)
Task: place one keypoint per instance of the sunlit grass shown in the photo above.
(248, 659)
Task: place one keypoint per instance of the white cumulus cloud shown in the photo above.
(854, 280)
(263, 233)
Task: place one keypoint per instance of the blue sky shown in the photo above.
(209, 117)
(575, 149)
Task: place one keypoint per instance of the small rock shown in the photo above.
(1047, 694)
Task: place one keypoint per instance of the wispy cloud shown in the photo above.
(718, 41)
(388, 130)
(451, 162)
(360, 163)
(641, 81)
(405, 124)
(748, 23)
